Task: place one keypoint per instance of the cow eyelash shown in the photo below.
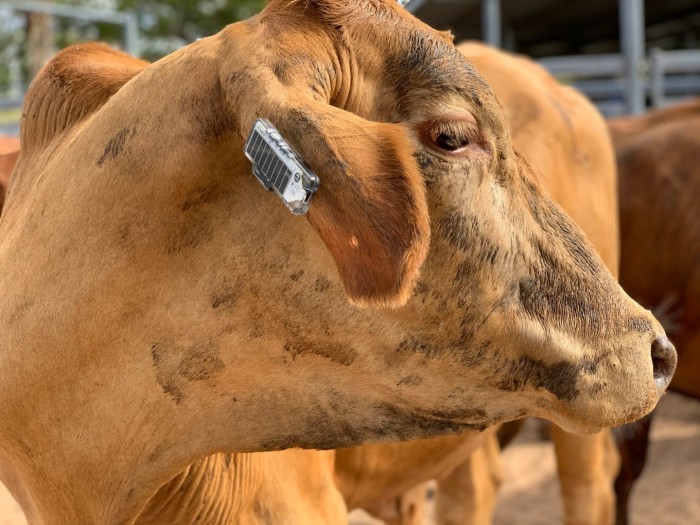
(451, 136)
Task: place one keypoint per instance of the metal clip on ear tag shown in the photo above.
(278, 167)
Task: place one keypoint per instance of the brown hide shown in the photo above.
(160, 307)
(565, 140)
(658, 157)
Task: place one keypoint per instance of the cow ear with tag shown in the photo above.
(370, 210)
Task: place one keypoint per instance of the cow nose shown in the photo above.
(663, 357)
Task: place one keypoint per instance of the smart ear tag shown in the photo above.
(278, 167)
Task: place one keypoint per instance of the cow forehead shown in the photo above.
(429, 62)
(394, 46)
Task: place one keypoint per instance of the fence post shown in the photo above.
(657, 77)
(632, 44)
(491, 21)
(131, 33)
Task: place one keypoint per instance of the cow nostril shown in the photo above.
(663, 357)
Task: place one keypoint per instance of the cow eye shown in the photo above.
(450, 135)
(450, 142)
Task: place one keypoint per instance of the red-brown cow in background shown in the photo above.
(658, 156)
(9, 151)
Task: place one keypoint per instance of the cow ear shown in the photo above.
(371, 210)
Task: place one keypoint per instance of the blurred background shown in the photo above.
(31, 31)
(627, 55)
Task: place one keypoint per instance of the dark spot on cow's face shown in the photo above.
(526, 289)
(427, 65)
(20, 311)
(200, 362)
(116, 145)
(322, 284)
(156, 453)
(123, 232)
(638, 324)
(590, 365)
(461, 413)
(337, 352)
(475, 98)
(178, 364)
(164, 374)
(225, 298)
(295, 276)
(558, 378)
(263, 513)
(410, 380)
(421, 288)
(281, 71)
(417, 346)
(563, 288)
(474, 357)
(596, 389)
(327, 425)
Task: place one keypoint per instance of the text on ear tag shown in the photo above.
(278, 167)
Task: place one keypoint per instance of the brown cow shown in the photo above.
(565, 140)
(7, 164)
(9, 150)
(658, 157)
(158, 308)
(8, 144)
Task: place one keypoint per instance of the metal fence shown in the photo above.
(666, 77)
(128, 21)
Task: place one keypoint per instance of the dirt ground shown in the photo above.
(668, 494)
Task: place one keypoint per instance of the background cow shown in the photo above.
(9, 151)
(658, 158)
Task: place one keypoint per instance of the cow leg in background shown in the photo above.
(587, 466)
(406, 509)
(467, 496)
(633, 442)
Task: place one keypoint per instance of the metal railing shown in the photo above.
(673, 74)
(667, 77)
(129, 38)
(600, 77)
(126, 19)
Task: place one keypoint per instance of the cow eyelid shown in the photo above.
(450, 136)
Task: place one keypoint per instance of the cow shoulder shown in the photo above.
(72, 86)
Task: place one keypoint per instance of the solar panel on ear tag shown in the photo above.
(278, 167)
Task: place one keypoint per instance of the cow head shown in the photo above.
(412, 145)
